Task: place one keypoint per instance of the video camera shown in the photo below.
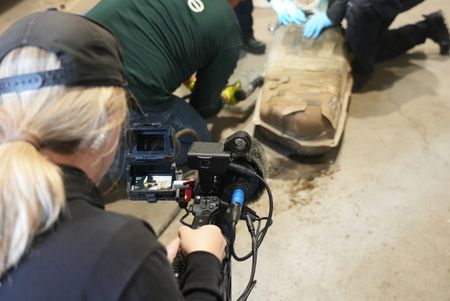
(152, 174)
(230, 174)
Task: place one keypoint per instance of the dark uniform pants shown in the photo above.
(368, 35)
(244, 14)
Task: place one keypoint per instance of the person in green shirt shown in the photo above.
(164, 42)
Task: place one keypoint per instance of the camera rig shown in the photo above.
(227, 178)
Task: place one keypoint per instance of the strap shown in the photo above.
(32, 81)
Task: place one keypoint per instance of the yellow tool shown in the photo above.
(229, 93)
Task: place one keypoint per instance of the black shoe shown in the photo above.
(438, 31)
(254, 46)
(361, 74)
(358, 84)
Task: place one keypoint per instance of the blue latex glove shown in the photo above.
(316, 24)
(288, 12)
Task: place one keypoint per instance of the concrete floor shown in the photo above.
(369, 222)
(374, 223)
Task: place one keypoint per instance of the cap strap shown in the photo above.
(32, 81)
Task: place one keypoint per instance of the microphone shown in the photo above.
(246, 168)
(242, 182)
(242, 94)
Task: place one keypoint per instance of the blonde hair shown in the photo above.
(63, 119)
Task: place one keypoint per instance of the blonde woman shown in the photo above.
(62, 105)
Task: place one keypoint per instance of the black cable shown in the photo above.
(251, 282)
(269, 215)
(184, 216)
(260, 236)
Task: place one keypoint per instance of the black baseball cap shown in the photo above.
(89, 53)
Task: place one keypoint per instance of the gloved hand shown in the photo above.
(288, 12)
(190, 83)
(229, 92)
(316, 24)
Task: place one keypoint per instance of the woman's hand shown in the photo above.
(172, 249)
(207, 238)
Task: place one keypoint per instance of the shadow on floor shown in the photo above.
(388, 72)
(7, 4)
(232, 120)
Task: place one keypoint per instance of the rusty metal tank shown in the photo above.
(304, 101)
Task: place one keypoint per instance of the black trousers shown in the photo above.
(244, 14)
(370, 39)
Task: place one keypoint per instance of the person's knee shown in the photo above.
(359, 14)
(363, 28)
(360, 8)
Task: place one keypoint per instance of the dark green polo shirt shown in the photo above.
(165, 41)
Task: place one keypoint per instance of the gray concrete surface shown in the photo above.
(370, 222)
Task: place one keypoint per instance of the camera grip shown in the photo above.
(204, 208)
(201, 220)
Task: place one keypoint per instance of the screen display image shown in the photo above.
(153, 183)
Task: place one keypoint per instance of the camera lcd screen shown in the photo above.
(153, 183)
(152, 143)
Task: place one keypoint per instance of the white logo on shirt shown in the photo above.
(196, 6)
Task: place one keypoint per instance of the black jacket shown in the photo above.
(91, 254)
(386, 8)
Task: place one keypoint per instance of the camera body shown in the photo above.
(152, 174)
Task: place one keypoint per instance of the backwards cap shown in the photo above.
(88, 52)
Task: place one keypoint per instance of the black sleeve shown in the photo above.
(408, 4)
(154, 279)
(336, 11)
(211, 80)
(201, 280)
